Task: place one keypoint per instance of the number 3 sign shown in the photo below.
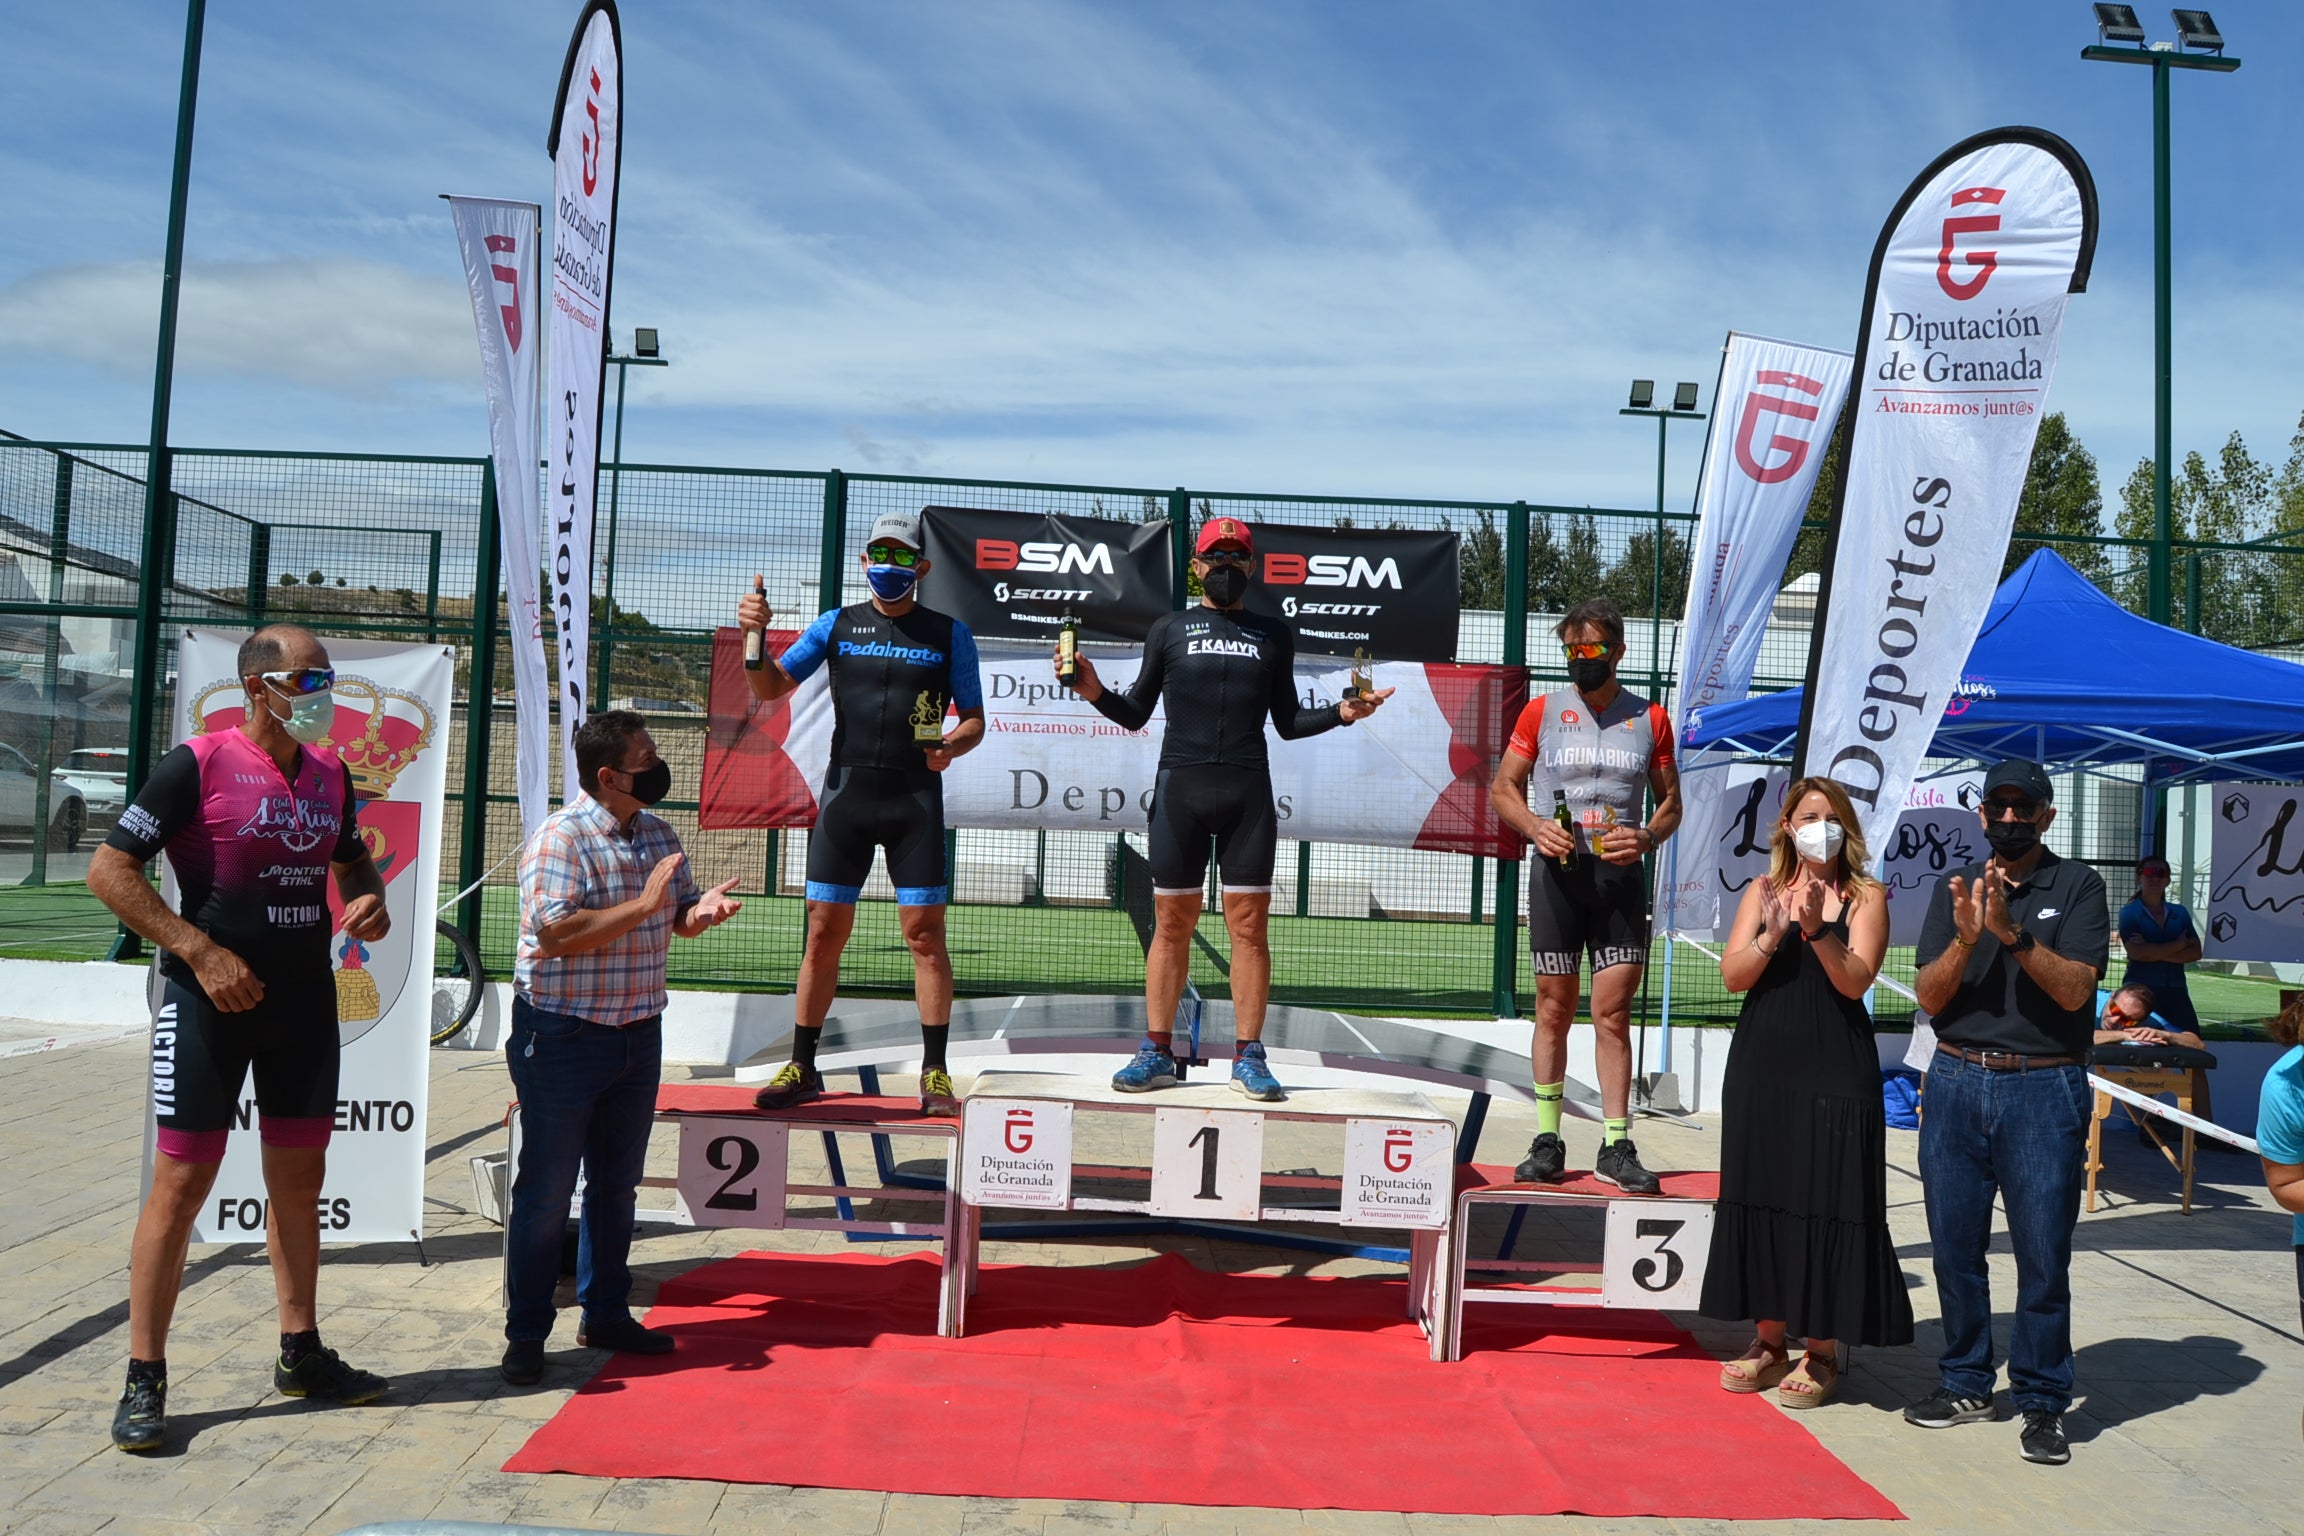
(1655, 1253)
(732, 1171)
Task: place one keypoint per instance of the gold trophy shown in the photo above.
(1363, 674)
(928, 720)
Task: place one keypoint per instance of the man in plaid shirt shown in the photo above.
(603, 887)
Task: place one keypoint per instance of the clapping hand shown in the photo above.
(1809, 893)
(1775, 915)
(715, 906)
(1968, 906)
(658, 891)
(1995, 903)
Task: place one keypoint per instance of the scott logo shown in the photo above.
(1977, 224)
(1016, 1134)
(1282, 570)
(592, 137)
(1046, 557)
(1756, 405)
(505, 245)
(1399, 1149)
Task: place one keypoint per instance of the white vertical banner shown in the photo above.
(2256, 856)
(501, 243)
(586, 145)
(1961, 320)
(391, 730)
(1773, 411)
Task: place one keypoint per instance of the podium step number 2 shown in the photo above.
(1207, 1163)
(732, 1172)
(1654, 1254)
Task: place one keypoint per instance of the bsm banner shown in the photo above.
(1413, 775)
(391, 730)
(1017, 575)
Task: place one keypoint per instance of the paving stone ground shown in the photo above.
(2191, 1361)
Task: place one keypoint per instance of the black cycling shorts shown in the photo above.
(1596, 907)
(899, 809)
(1212, 805)
(201, 1057)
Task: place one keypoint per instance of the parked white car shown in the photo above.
(67, 807)
(101, 776)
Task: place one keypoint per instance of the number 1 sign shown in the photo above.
(732, 1171)
(1207, 1162)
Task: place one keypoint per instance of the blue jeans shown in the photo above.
(2025, 1135)
(587, 1098)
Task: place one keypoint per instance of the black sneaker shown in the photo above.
(523, 1362)
(324, 1375)
(141, 1422)
(625, 1335)
(1546, 1162)
(793, 1085)
(1619, 1165)
(2044, 1440)
(1941, 1409)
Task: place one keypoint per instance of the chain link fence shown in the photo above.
(386, 547)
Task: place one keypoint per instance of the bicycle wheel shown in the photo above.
(457, 977)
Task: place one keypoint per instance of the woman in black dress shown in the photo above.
(1800, 1243)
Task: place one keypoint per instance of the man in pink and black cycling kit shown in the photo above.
(254, 822)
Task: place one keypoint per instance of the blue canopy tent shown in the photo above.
(2064, 675)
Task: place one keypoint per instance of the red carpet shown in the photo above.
(1145, 1384)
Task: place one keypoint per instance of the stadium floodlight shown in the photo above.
(1643, 394)
(1684, 396)
(2118, 24)
(2196, 31)
(644, 342)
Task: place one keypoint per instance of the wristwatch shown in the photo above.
(2022, 942)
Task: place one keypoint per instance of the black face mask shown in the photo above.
(652, 783)
(1225, 585)
(2012, 839)
(1591, 675)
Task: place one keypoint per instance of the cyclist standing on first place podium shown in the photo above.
(1223, 672)
(893, 664)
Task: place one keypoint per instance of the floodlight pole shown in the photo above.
(615, 493)
(157, 557)
(2161, 59)
(1664, 420)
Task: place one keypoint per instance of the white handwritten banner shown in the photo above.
(2256, 898)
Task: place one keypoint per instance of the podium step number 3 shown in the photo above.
(732, 1172)
(1207, 1163)
(1654, 1254)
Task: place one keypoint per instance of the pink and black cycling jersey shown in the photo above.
(250, 848)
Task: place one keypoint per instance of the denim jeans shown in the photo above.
(2024, 1134)
(587, 1098)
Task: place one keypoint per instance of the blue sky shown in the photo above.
(1333, 247)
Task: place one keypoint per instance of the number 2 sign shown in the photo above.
(732, 1172)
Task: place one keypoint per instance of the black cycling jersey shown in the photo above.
(884, 671)
(1223, 672)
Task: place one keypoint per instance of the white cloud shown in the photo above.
(333, 323)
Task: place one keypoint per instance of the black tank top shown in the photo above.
(884, 672)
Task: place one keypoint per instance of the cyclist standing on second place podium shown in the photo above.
(894, 663)
(1223, 671)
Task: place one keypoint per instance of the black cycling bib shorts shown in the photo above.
(1596, 908)
(864, 809)
(1204, 808)
(202, 1056)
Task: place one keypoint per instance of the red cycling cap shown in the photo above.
(1223, 530)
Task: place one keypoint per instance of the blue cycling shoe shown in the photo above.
(1251, 1076)
(1152, 1067)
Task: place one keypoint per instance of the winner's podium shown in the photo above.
(1028, 1142)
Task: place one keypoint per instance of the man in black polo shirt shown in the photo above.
(2009, 960)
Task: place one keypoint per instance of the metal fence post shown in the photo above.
(828, 583)
(432, 594)
(59, 538)
(1180, 545)
(479, 703)
(1506, 975)
(259, 573)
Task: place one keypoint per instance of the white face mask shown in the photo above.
(1819, 840)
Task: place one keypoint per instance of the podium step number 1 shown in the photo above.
(1208, 1163)
(732, 1172)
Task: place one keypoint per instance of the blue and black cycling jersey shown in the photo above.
(884, 670)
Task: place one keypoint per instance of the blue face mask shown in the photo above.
(891, 583)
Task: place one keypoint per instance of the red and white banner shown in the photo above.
(1413, 775)
(1961, 321)
(586, 145)
(1772, 413)
(391, 729)
(501, 242)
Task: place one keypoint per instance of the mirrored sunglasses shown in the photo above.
(1585, 650)
(307, 680)
(892, 554)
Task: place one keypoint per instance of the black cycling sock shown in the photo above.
(933, 1038)
(295, 1346)
(147, 1370)
(804, 1045)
